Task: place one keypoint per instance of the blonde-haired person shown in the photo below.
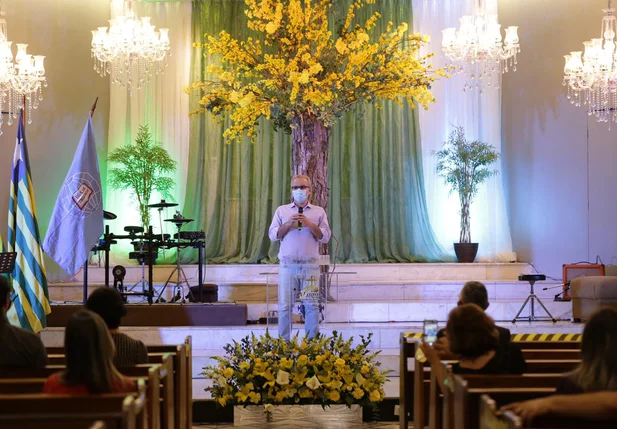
(598, 368)
(590, 391)
(89, 352)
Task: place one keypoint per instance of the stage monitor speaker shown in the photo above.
(573, 271)
(209, 293)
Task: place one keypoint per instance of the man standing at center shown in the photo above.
(300, 226)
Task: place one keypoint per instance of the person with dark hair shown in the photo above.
(473, 292)
(18, 347)
(597, 370)
(108, 303)
(474, 338)
(89, 352)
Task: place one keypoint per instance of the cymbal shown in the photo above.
(162, 205)
(108, 215)
(179, 220)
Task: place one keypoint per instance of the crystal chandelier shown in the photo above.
(476, 48)
(591, 77)
(22, 81)
(130, 50)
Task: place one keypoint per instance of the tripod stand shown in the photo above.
(532, 278)
(178, 294)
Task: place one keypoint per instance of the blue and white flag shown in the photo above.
(77, 220)
(31, 298)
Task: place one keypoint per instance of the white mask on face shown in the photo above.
(299, 195)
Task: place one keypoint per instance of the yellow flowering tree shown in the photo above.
(303, 77)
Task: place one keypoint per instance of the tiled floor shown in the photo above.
(386, 425)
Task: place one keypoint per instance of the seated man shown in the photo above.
(18, 347)
(472, 293)
(107, 303)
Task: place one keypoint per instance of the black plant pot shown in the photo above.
(466, 252)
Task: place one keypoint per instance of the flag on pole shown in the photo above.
(77, 220)
(31, 303)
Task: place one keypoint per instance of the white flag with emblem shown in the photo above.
(77, 220)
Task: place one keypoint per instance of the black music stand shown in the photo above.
(7, 262)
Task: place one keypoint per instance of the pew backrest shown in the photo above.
(74, 409)
(490, 419)
(467, 399)
(68, 412)
(182, 390)
(414, 390)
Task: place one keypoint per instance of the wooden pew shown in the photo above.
(413, 390)
(431, 392)
(183, 375)
(36, 411)
(21, 386)
(540, 373)
(97, 425)
(491, 419)
(467, 398)
(160, 386)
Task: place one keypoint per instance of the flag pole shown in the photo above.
(94, 107)
(85, 293)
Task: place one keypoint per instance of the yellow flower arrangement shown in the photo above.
(320, 371)
(296, 67)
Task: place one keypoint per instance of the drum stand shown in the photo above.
(160, 209)
(143, 282)
(178, 292)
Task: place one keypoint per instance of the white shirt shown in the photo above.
(300, 245)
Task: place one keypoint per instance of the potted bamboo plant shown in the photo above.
(464, 166)
(142, 169)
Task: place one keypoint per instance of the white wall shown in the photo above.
(560, 183)
(60, 30)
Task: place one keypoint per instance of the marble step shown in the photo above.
(417, 311)
(349, 292)
(258, 273)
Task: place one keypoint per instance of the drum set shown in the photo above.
(146, 246)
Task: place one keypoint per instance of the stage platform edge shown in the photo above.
(158, 315)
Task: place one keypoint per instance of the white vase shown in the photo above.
(298, 416)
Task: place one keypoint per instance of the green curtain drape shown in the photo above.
(377, 206)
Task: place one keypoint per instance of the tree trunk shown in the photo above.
(465, 236)
(309, 157)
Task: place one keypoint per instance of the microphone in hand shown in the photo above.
(300, 211)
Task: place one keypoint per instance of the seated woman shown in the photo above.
(473, 337)
(89, 353)
(598, 368)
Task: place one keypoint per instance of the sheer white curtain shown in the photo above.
(480, 115)
(162, 105)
